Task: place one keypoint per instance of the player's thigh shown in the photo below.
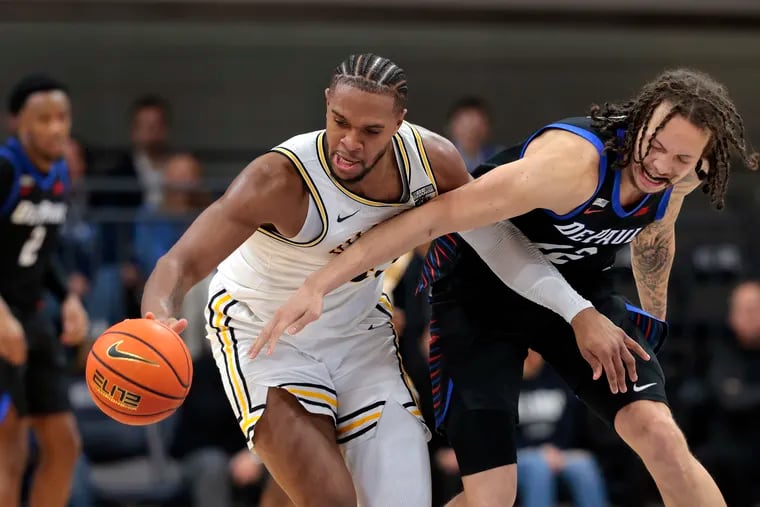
(299, 450)
(556, 343)
(479, 361)
(46, 381)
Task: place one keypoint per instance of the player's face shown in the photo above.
(44, 124)
(675, 152)
(360, 126)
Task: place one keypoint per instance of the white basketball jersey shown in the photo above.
(265, 270)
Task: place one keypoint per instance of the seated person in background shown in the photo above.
(545, 436)
(733, 394)
(159, 226)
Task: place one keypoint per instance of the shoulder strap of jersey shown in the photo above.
(13, 194)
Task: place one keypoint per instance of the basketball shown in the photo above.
(139, 371)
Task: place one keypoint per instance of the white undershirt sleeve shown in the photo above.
(524, 269)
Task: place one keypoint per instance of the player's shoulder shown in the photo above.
(445, 160)
(564, 146)
(300, 141)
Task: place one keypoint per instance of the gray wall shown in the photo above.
(247, 86)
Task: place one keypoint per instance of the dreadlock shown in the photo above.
(374, 74)
(698, 98)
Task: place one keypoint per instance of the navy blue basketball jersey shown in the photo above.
(584, 241)
(32, 208)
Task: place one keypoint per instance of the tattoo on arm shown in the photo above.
(653, 250)
(652, 255)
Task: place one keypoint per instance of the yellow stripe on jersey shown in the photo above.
(423, 156)
(325, 165)
(314, 193)
(224, 332)
(405, 376)
(330, 400)
(385, 302)
(359, 422)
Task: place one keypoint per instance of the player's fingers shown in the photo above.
(630, 363)
(264, 336)
(300, 323)
(633, 345)
(611, 371)
(619, 370)
(150, 315)
(178, 325)
(596, 365)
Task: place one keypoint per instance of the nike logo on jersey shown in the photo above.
(591, 210)
(114, 352)
(638, 389)
(340, 218)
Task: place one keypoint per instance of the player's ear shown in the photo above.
(327, 96)
(400, 118)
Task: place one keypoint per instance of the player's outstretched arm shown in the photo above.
(543, 178)
(267, 191)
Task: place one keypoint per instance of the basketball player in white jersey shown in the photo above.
(330, 411)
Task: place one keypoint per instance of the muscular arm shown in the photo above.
(558, 172)
(267, 191)
(653, 250)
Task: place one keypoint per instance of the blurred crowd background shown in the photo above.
(172, 98)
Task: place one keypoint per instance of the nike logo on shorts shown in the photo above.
(114, 352)
(638, 389)
(340, 218)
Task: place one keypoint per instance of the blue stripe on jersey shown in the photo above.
(663, 206)
(12, 197)
(617, 207)
(655, 330)
(439, 259)
(588, 136)
(25, 165)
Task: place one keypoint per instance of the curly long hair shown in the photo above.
(702, 101)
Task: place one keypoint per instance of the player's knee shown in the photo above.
(652, 433)
(65, 446)
(492, 488)
(14, 455)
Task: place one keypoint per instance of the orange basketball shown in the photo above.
(139, 371)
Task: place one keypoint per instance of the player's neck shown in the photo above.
(629, 193)
(43, 164)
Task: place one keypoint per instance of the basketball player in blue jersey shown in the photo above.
(329, 411)
(33, 180)
(579, 189)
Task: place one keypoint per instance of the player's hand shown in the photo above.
(607, 347)
(12, 340)
(74, 320)
(176, 325)
(300, 309)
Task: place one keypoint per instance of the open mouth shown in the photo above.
(345, 164)
(652, 179)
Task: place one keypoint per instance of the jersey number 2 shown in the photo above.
(31, 247)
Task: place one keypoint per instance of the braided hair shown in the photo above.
(698, 98)
(374, 74)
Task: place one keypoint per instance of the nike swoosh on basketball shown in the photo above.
(340, 218)
(114, 352)
(638, 389)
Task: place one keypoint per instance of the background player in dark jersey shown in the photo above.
(580, 189)
(33, 180)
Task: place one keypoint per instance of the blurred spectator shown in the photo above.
(145, 162)
(733, 401)
(469, 126)
(546, 436)
(158, 227)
